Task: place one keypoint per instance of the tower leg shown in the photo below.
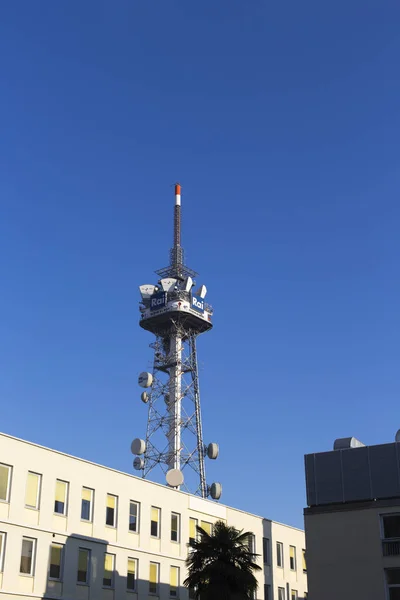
(199, 430)
(174, 403)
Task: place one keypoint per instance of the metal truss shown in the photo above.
(174, 437)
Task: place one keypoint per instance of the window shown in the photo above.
(281, 593)
(133, 516)
(206, 526)
(391, 526)
(27, 556)
(267, 591)
(294, 595)
(305, 595)
(192, 530)
(83, 565)
(292, 558)
(60, 502)
(153, 578)
(87, 504)
(132, 575)
(173, 582)
(279, 554)
(175, 522)
(32, 491)
(108, 577)
(2, 549)
(393, 583)
(266, 551)
(56, 558)
(304, 561)
(252, 543)
(5, 480)
(155, 523)
(111, 510)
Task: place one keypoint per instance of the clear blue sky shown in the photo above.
(282, 122)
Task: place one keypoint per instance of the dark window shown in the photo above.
(266, 551)
(133, 517)
(110, 516)
(391, 526)
(267, 592)
(85, 512)
(393, 576)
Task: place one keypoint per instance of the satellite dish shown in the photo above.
(138, 463)
(187, 284)
(174, 478)
(212, 450)
(168, 284)
(144, 397)
(397, 438)
(146, 290)
(138, 446)
(216, 491)
(202, 291)
(145, 379)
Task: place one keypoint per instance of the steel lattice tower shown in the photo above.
(176, 316)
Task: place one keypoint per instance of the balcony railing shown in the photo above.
(391, 547)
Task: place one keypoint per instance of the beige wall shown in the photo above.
(17, 521)
(284, 577)
(344, 555)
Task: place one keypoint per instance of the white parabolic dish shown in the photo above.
(174, 478)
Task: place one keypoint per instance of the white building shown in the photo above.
(75, 530)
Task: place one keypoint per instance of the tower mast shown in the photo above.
(176, 316)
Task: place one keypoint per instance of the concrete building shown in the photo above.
(74, 530)
(353, 522)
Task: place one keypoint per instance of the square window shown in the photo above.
(83, 565)
(173, 582)
(5, 481)
(279, 554)
(155, 523)
(111, 510)
(108, 577)
(60, 501)
(32, 492)
(292, 558)
(27, 556)
(134, 516)
(132, 575)
(175, 527)
(87, 504)
(154, 578)
(56, 561)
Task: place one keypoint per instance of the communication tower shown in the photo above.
(176, 315)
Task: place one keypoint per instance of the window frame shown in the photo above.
(38, 493)
(304, 560)
(136, 561)
(115, 520)
(178, 527)
(60, 578)
(3, 535)
(65, 513)
(294, 558)
(136, 530)
(8, 491)
(91, 490)
(267, 591)
(156, 593)
(89, 566)
(158, 523)
(281, 596)
(196, 522)
(171, 595)
(266, 551)
(33, 561)
(280, 545)
(112, 584)
(295, 596)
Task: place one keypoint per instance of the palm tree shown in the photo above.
(221, 566)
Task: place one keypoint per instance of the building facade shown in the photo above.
(353, 522)
(74, 530)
